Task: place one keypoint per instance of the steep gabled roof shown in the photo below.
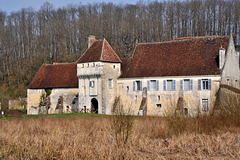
(100, 50)
(62, 75)
(180, 57)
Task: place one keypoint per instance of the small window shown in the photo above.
(93, 64)
(159, 97)
(205, 84)
(114, 66)
(138, 85)
(92, 84)
(136, 98)
(185, 110)
(169, 85)
(127, 88)
(88, 65)
(228, 81)
(153, 86)
(205, 105)
(110, 85)
(159, 105)
(82, 65)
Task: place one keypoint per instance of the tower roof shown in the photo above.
(100, 50)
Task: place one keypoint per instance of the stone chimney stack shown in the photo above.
(91, 40)
(222, 57)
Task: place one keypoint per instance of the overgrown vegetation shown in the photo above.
(122, 136)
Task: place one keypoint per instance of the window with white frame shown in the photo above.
(186, 84)
(205, 106)
(137, 85)
(110, 85)
(169, 85)
(204, 84)
(153, 85)
(91, 84)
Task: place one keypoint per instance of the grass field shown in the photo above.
(88, 136)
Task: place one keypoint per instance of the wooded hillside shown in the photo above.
(29, 38)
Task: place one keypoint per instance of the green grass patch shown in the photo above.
(64, 115)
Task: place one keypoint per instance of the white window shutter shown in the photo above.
(199, 84)
(164, 85)
(209, 84)
(148, 85)
(174, 84)
(133, 85)
(157, 85)
(140, 85)
(181, 84)
(191, 84)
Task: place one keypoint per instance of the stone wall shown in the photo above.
(98, 73)
(69, 96)
(17, 103)
(163, 102)
(231, 71)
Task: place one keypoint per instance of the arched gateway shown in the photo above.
(94, 105)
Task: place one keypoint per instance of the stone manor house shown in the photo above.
(183, 74)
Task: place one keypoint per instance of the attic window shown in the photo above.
(88, 65)
(93, 64)
(82, 65)
(114, 66)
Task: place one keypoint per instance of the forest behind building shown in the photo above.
(29, 38)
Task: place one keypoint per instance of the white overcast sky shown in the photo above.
(16, 5)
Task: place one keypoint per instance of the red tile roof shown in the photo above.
(180, 57)
(61, 75)
(100, 50)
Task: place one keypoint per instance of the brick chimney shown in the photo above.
(91, 40)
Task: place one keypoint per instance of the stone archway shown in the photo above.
(94, 106)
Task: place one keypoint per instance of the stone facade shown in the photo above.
(94, 81)
(159, 79)
(69, 95)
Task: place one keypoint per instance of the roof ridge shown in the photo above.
(181, 40)
(113, 50)
(87, 50)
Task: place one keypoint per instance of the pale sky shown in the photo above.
(16, 5)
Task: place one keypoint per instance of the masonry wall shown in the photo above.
(192, 99)
(34, 95)
(33, 100)
(231, 71)
(98, 73)
(68, 95)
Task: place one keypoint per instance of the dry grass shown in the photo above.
(95, 138)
